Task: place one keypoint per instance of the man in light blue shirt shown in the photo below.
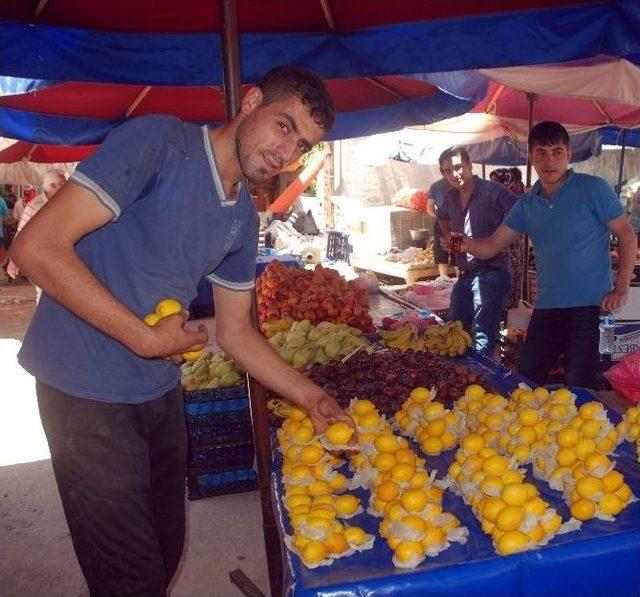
(160, 204)
(570, 218)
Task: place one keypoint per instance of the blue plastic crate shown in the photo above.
(208, 420)
(338, 246)
(213, 394)
(210, 484)
(221, 458)
(220, 434)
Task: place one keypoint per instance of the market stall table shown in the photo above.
(410, 272)
(602, 558)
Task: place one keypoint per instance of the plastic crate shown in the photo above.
(208, 420)
(214, 394)
(210, 484)
(338, 246)
(220, 434)
(221, 458)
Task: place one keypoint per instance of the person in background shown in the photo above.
(4, 212)
(52, 182)
(435, 198)
(475, 207)
(570, 218)
(160, 204)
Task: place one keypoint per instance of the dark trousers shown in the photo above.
(440, 256)
(120, 470)
(572, 331)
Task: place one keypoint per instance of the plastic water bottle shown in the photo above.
(607, 333)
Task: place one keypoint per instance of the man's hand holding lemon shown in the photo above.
(171, 340)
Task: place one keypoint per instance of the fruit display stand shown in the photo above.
(602, 558)
(410, 272)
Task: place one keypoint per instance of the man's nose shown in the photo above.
(286, 150)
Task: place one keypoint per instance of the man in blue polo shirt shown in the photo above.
(160, 204)
(435, 198)
(475, 207)
(570, 218)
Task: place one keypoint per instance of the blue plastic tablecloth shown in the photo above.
(601, 559)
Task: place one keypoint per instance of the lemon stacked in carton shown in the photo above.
(401, 492)
(629, 427)
(434, 427)
(314, 496)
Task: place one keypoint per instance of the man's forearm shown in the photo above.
(64, 277)
(483, 248)
(628, 245)
(250, 349)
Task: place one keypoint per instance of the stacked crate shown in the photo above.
(221, 452)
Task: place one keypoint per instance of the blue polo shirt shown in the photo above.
(570, 239)
(171, 225)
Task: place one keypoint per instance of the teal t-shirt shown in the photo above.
(570, 239)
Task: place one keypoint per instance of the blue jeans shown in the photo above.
(477, 301)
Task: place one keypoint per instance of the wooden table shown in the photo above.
(409, 272)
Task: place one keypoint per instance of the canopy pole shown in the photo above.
(621, 169)
(257, 392)
(230, 57)
(524, 289)
(484, 171)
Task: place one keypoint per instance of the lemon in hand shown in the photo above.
(167, 307)
(339, 433)
(152, 318)
(192, 355)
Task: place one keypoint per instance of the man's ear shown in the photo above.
(251, 100)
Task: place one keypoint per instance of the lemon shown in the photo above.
(584, 447)
(611, 504)
(301, 472)
(596, 463)
(336, 543)
(562, 395)
(394, 511)
(527, 435)
(512, 542)
(473, 443)
(495, 465)
(414, 522)
(409, 551)
(568, 437)
(363, 407)
(474, 391)
(448, 440)
(370, 420)
(192, 355)
(588, 486)
(528, 416)
(589, 410)
(433, 410)
(338, 482)
(432, 446)
(522, 453)
(318, 487)
(311, 454)
(419, 479)
(433, 537)
(405, 456)
(386, 443)
(494, 420)
(566, 457)
(313, 552)
(384, 461)
(294, 489)
(558, 412)
(339, 433)
(414, 500)
(583, 509)
(536, 505)
(297, 500)
(152, 319)
(541, 393)
(167, 307)
(387, 491)
(491, 507)
(323, 511)
(514, 494)
(491, 485)
(509, 518)
(346, 504)
(355, 535)
(612, 481)
(402, 473)
(623, 492)
(420, 395)
(436, 427)
(552, 525)
(303, 434)
(323, 498)
(299, 542)
(512, 477)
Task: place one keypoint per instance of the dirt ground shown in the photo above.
(36, 554)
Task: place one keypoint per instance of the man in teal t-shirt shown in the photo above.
(570, 218)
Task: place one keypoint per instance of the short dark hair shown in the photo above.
(548, 132)
(286, 81)
(447, 154)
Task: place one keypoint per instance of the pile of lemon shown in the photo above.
(509, 509)
(434, 427)
(576, 462)
(404, 495)
(165, 308)
(483, 413)
(314, 498)
(629, 428)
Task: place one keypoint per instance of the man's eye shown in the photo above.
(284, 127)
(302, 148)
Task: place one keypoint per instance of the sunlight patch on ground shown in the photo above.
(21, 436)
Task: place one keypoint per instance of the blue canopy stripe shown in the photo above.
(502, 39)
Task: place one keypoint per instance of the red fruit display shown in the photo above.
(387, 378)
(317, 295)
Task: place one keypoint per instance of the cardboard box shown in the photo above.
(388, 226)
